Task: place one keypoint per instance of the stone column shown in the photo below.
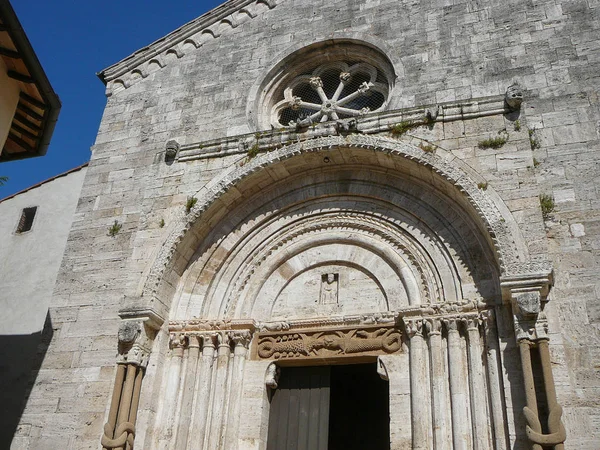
(187, 401)
(441, 421)
(201, 406)
(461, 430)
(178, 344)
(531, 330)
(495, 380)
(135, 339)
(241, 340)
(478, 389)
(220, 394)
(419, 395)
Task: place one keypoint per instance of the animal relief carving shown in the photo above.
(329, 343)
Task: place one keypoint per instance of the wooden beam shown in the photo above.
(9, 53)
(24, 131)
(17, 140)
(34, 101)
(30, 112)
(25, 121)
(20, 77)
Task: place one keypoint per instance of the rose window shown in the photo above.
(330, 92)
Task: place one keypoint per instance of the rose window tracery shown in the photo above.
(332, 91)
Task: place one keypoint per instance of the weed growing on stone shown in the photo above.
(547, 205)
(253, 151)
(161, 224)
(534, 142)
(190, 203)
(517, 125)
(427, 148)
(536, 162)
(495, 142)
(483, 186)
(405, 126)
(114, 229)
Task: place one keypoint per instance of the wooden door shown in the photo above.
(299, 416)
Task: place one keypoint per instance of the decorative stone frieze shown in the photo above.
(324, 344)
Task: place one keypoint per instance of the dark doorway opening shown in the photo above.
(359, 413)
(330, 408)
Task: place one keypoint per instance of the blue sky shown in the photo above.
(75, 39)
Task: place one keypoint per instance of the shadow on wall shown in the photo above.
(20, 359)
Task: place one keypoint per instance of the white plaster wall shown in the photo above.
(29, 261)
(9, 97)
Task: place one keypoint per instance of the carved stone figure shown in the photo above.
(514, 96)
(329, 289)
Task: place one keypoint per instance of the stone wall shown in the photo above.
(441, 53)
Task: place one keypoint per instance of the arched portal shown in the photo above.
(335, 251)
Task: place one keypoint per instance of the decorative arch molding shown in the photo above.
(440, 169)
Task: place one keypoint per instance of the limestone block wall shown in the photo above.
(441, 53)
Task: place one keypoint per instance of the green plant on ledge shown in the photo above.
(161, 223)
(190, 203)
(495, 142)
(404, 127)
(483, 186)
(547, 205)
(517, 125)
(253, 151)
(114, 229)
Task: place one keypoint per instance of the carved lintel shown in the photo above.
(198, 325)
(328, 343)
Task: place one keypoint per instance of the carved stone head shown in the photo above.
(172, 148)
(514, 96)
(129, 331)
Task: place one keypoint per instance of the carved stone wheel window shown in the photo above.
(326, 81)
(330, 92)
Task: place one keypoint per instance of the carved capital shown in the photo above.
(452, 324)
(433, 327)
(531, 330)
(241, 338)
(414, 327)
(135, 337)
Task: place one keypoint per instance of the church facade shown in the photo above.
(345, 224)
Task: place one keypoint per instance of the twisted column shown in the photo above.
(531, 330)
(135, 340)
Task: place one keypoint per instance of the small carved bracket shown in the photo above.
(136, 335)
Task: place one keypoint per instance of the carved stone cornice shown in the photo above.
(368, 124)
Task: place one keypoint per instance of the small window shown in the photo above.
(26, 220)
